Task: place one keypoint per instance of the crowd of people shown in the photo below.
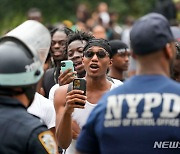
(120, 111)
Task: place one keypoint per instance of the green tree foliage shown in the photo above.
(14, 12)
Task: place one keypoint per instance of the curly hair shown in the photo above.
(79, 35)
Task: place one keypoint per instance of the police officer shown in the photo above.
(142, 115)
(20, 70)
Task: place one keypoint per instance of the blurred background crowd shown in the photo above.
(113, 15)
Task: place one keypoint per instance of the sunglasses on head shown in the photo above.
(99, 54)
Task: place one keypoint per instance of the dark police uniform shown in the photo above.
(21, 132)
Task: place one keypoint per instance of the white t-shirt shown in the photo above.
(116, 83)
(52, 91)
(44, 109)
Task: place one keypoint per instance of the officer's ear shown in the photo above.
(170, 51)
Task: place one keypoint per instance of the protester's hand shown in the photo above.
(75, 130)
(72, 98)
(66, 77)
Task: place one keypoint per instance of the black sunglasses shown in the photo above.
(99, 54)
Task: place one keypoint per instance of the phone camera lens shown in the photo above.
(63, 64)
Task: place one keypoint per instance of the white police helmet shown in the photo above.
(23, 52)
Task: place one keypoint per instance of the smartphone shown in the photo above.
(79, 84)
(66, 64)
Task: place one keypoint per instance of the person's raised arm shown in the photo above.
(64, 105)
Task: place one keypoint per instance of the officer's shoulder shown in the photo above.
(46, 138)
(40, 135)
(30, 121)
(34, 119)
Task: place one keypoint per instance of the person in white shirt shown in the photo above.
(44, 109)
